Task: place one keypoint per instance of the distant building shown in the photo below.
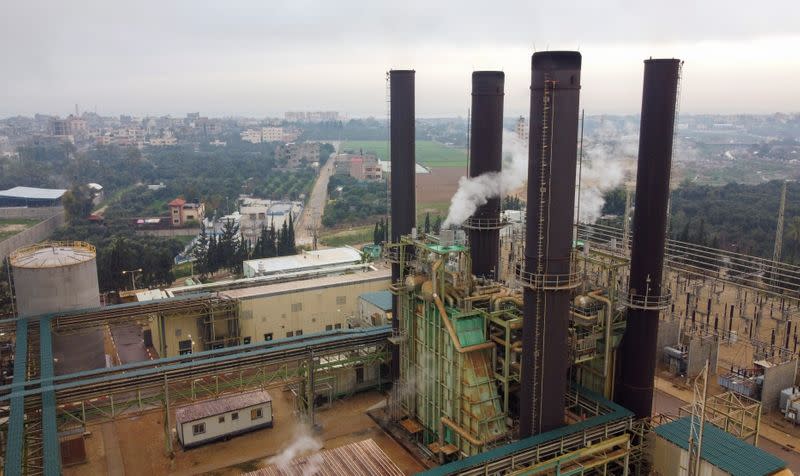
(295, 155)
(31, 197)
(60, 127)
(360, 167)
(182, 212)
(251, 135)
(312, 116)
(522, 129)
(218, 143)
(272, 134)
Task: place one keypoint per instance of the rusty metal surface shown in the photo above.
(364, 458)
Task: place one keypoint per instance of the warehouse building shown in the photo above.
(224, 417)
(31, 197)
(301, 307)
(271, 311)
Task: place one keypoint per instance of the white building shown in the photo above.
(305, 261)
(231, 415)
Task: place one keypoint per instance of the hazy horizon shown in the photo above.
(252, 59)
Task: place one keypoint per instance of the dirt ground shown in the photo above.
(439, 185)
(143, 451)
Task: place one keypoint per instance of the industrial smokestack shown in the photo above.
(486, 155)
(402, 151)
(638, 351)
(547, 276)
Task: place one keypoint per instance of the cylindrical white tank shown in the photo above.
(54, 277)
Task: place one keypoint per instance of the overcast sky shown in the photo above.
(264, 57)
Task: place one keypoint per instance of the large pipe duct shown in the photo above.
(552, 161)
(402, 151)
(486, 155)
(638, 351)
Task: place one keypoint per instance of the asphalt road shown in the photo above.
(667, 404)
(312, 213)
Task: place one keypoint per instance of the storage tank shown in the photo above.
(55, 276)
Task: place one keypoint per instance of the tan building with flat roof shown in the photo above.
(277, 310)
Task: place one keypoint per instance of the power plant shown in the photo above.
(538, 360)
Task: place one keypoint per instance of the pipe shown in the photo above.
(513, 299)
(608, 387)
(462, 432)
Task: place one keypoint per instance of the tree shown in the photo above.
(200, 252)
(793, 233)
(437, 226)
(376, 237)
(77, 202)
(290, 243)
(271, 245)
(427, 226)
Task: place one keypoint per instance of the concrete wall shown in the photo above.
(65, 288)
(366, 310)
(667, 335)
(26, 212)
(701, 349)
(34, 234)
(170, 232)
(776, 379)
(216, 429)
(309, 310)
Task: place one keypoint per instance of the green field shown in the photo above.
(353, 236)
(429, 153)
(11, 226)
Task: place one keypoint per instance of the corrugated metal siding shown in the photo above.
(723, 450)
(364, 458)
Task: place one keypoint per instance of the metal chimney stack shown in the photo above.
(547, 276)
(486, 155)
(638, 352)
(402, 151)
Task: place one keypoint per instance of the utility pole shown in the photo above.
(776, 254)
(132, 272)
(698, 421)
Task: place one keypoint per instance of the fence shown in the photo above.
(32, 235)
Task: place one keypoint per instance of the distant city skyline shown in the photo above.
(258, 59)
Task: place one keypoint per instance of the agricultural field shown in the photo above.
(284, 185)
(357, 235)
(429, 153)
(11, 226)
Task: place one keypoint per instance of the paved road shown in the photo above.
(667, 404)
(312, 213)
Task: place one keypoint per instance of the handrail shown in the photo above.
(80, 245)
(649, 302)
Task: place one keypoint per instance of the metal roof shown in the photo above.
(304, 260)
(722, 449)
(306, 284)
(363, 458)
(33, 193)
(380, 299)
(218, 406)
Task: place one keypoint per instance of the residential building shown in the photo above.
(251, 135)
(183, 213)
(296, 155)
(522, 129)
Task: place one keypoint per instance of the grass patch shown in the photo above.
(429, 153)
(356, 235)
(11, 226)
(183, 270)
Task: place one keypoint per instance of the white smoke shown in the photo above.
(303, 443)
(609, 155)
(476, 191)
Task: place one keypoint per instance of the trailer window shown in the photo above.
(198, 429)
(256, 413)
(235, 416)
(222, 419)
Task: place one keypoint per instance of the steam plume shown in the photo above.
(476, 191)
(303, 443)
